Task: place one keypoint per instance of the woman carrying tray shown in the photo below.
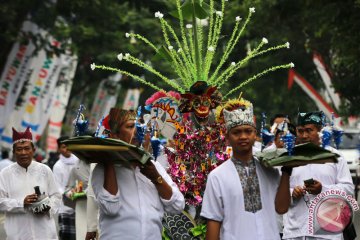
(132, 200)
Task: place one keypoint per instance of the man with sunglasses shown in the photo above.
(321, 177)
(240, 194)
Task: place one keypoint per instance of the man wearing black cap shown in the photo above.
(325, 177)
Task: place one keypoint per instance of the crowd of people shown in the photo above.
(243, 199)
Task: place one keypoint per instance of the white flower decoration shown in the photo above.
(127, 35)
(120, 56)
(287, 45)
(233, 63)
(211, 49)
(252, 10)
(219, 13)
(238, 19)
(93, 66)
(264, 40)
(292, 65)
(159, 15)
(179, 50)
(188, 26)
(170, 47)
(127, 55)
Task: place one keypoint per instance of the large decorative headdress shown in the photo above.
(236, 112)
(22, 136)
(191, 53)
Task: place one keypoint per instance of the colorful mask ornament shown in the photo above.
(200, 100)
(164, 112)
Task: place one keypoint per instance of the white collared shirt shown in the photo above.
(16, 183)
(331, 176)
(224, 202)
(136, 211)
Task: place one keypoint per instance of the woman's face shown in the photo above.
(126, 132)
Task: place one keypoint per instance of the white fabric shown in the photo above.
(92, 209)
(4, 163)
(136, 211)
(62, 169)
(80, 219)
(331, 176)
(15, 184)
(224, 202)
(80, 172)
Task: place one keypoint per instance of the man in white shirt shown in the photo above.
(240, 194)
(62, 169)
(17, 196)
(132, 200)
(326, 176)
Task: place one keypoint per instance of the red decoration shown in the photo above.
(22, 136)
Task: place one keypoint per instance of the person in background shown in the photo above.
(78, 183)
(17, 182)
(62, 169)
(5, 161)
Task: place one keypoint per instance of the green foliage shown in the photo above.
(97, 30)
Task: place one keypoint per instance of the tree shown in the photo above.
(97, 32)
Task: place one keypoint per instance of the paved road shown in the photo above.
(356, 223)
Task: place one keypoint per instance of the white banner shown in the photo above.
(105, 99)
(320, 66)
(61, 99)
(132, 99)
(16, 72)
(38, 97)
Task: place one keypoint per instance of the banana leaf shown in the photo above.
(95, 150)
(307, 153)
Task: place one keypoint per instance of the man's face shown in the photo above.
(241, 138)
(278, 142)
(126, 132)
(279, 120)
(64, 151)
(308, 133)
(23, 152)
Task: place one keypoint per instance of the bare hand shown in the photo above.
(30, 199)
(90, 236)
(314, 188)
(149, 171)
(298, 192)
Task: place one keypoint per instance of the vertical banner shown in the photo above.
(61, 99)
(132, 99)
(36, 101)
(16, 72)
(321, 67)
(105, 98)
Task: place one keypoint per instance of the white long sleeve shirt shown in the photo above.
(16, 183)
(136, 211)
(331, 176)
(62, 169)
(224, 202)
